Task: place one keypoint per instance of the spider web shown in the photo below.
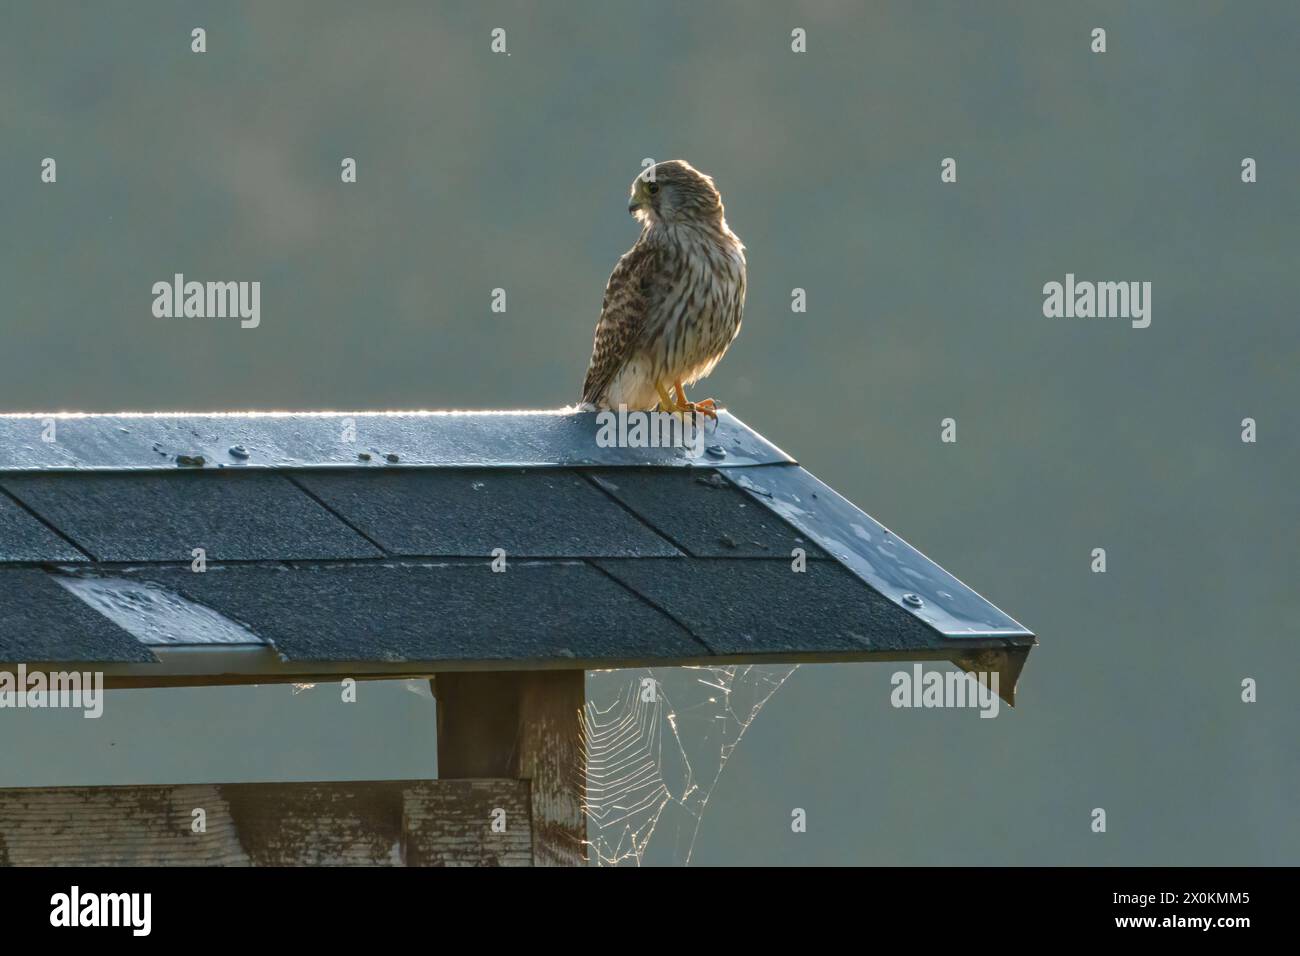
(656, 743)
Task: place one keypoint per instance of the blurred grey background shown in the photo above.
(479, 171)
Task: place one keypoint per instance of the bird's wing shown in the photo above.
(623, 315)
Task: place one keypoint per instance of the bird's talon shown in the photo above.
(698, 408)
(708, 408)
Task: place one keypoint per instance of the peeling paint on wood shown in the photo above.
(462, 834)
(383, 823)
(552, 758)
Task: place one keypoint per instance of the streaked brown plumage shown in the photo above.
(673, 303)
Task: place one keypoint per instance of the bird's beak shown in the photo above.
(637, 200)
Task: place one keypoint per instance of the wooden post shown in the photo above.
(521, 725)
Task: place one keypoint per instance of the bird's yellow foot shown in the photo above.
(666, 402)
(708, 410)
(708, 407)
(675, 403)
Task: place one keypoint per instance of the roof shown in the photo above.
(363, 543)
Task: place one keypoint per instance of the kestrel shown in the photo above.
(674, 301)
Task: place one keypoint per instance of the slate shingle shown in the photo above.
(163, 517)
(23, 538)
(40, 621)
(469, 512)
(387, 611)
(740, 606)
(704, 513)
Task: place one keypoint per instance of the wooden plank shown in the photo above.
(460, 831)
(379, 823)
(524, 725)
(117, 826)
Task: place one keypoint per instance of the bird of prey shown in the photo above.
(674, 301)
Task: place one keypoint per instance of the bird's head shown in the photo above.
(674, 191)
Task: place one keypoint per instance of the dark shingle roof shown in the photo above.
(357, 537)
(163, 517)
(41, 621)
(469, 512)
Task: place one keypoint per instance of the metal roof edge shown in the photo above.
(165, 441)
(181, 664)
(877, 556)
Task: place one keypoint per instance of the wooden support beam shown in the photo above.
(523, 725)
(371, 823)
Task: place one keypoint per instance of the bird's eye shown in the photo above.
(652, 188)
